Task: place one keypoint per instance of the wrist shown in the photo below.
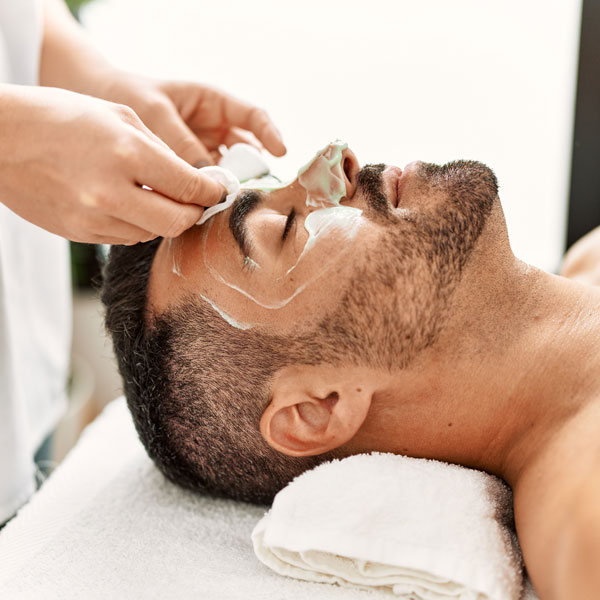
(101, 81)
(136, 91)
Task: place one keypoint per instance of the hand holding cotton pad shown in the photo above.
(231, 184)
(239, 163)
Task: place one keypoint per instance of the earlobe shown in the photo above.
(314, 410)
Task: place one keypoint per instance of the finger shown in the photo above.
(131, 117)
(233, 135)
(115, 241)
(182, 140)
(115, 228)
(256, 120)
(175, 179)
(104, 239)
(238, 136)
(157, 215)
(107, 229)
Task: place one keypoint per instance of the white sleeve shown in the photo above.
(21, 28)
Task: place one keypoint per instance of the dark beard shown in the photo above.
(397, 302)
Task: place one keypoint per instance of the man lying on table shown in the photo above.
(369, 309)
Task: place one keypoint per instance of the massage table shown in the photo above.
(107, 524)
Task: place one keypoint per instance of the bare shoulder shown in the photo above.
(582, 261)
(557, 511)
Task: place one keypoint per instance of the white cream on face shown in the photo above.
(174, 248)
(319, 223)
(225, 316)
(323, 179)
(345, 219)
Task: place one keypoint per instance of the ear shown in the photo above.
(315, 409)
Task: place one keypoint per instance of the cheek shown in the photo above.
(332, 244)
(314, 259)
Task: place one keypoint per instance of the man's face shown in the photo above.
(282, 259)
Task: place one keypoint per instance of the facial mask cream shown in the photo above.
(323, 180)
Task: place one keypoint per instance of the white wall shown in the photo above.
(429, 79)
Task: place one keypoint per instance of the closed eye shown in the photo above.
(288, 224)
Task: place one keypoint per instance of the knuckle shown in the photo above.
(259, 116)
(97, 201)
(127, 150)
(155, 109)
(89, 199)
(126, 113)
(185, 145)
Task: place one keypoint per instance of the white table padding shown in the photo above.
(107, 524)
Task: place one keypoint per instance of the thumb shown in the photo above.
(164, 172)
(183, 141)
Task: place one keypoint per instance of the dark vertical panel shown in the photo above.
(584, 204)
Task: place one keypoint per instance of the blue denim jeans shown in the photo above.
(42, 461)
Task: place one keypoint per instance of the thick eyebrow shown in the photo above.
(248, 201)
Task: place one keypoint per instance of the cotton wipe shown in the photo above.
(238, 163)
(244, 161)
(231, 184)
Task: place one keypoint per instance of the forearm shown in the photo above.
(69, 60)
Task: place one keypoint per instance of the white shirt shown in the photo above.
(35, 297)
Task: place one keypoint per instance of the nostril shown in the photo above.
(347, 166)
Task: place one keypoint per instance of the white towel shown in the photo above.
(419, 528)
(108, 525)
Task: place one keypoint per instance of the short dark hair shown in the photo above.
(196, 386)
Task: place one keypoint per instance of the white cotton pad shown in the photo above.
(232, 185)
(244, 161)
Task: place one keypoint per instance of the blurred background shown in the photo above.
(435, 80)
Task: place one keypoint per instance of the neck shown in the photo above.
(497, 386)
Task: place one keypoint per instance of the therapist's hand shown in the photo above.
(75, 166)
(193, 119)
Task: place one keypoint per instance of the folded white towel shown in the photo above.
(422, 529)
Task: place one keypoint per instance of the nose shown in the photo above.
(320, 186)
(350, 169)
